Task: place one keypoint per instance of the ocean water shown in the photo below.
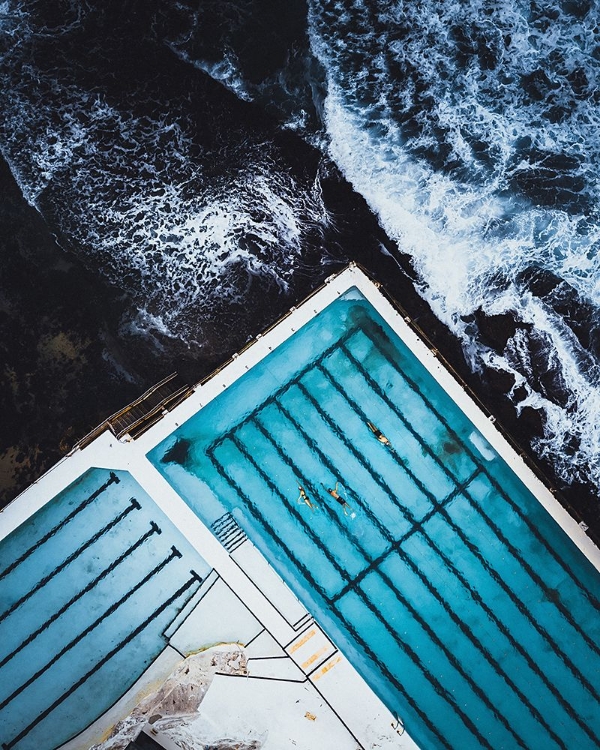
(183, 151)
(472, 131)
(171, 187)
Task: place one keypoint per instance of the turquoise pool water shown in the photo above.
(456, 595)
(87, 587)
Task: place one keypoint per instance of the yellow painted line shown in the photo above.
(302, 641)
(315, 656)
(326, 668)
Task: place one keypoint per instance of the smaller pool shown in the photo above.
(462, 603)
(88, 585)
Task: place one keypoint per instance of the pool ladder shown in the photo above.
(228, 532)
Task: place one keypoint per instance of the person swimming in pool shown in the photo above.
(379, 435)
(336, 496)
(304, 498)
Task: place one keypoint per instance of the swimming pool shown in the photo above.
(455, 594)
(88, 586)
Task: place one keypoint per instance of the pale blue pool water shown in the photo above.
(460, 600)
(87, 587)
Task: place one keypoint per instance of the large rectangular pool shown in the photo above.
(460, 600)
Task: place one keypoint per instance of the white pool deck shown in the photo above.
(299, 686)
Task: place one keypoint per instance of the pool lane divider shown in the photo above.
(274, 396)
(313, 489)
(522, 650)
(387, 490)
(393, 680)
(254, 418)
(594, 601)
(465, 629)
(154, 529)
(133, 505)
(456, 528)
(113, 479)
(195, 578)
(440, 505)
(456, 663)
(498, 532)
(292, 510)
(495, 528)
(445, 694)
(397, 543)
(222, 471)
(257, 515)
(418, 527)
(564, 611)
(175, 553)
(518, 603)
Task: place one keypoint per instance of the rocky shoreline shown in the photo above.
(62, 368)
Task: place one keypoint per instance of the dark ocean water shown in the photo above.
(213, 161)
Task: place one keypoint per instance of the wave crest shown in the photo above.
(471, 130)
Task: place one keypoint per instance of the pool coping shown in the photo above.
(106, 451)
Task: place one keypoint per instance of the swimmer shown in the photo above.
(379, 435)
(336, 495)
(304, 498)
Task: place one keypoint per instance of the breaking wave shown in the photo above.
(472, 131)
(175, 192)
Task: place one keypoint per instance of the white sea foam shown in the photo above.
(179, 226)
(468, 235)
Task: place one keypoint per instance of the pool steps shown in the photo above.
(228, 532)
(311, 649)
